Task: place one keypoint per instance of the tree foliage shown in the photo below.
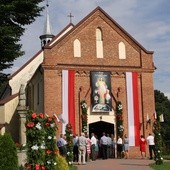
(162, 106)
(8, 153)
(14, 14)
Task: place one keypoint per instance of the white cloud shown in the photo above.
(147, 22)
(168, 95)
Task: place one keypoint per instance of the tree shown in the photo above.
(162, 106)
(14, 14)
(8, 153)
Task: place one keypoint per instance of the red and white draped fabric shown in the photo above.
(133, 108)
(68, 99)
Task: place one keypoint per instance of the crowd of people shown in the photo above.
(89, 148)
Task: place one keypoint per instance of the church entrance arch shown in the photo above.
(101, 126)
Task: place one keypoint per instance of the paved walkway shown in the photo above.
(117, 164)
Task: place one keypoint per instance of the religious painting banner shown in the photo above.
(101, 91)
(68, 99)
(133, 108)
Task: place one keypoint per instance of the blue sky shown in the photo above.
(147, 21)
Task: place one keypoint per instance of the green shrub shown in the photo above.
(8, 153)
(69, 139)
(61, 163)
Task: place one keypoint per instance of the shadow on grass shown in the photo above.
(164, 166)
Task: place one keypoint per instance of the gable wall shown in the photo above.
(60, 56)
(62, 53)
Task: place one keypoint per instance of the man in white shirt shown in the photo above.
(151, 143)
(93, 145)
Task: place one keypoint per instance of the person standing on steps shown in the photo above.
(75, 148)
(103, 142)
(82, 149)
(119, 147)
(93, 146)
(143, 146)
(126, 146)
(151, 143)
(61, 144)
(88, 147)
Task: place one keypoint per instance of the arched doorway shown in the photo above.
(99, 127)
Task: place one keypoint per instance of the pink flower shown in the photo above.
(50, 119)
(34, 115)
(41, 115)
(30, 124)
(48, 152)
(47, 124)
(37, 166)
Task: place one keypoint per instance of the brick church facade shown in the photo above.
(96, 44)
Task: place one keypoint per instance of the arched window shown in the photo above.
(122, 51)
(99, 43)
(77, 48)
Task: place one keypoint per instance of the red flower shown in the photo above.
(47, 124)
(48, 152)
(119, 117)
(37, 166)
(34, 115)
(42, 168)
(56, 152)
(30, 124)
(50, 119)
(84, 117)
(41, 115)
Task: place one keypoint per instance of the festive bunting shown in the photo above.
(133, 108)
(161, 118)
(68, 100)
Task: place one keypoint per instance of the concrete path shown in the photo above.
(117, 164)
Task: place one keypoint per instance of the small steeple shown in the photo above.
(47, 35)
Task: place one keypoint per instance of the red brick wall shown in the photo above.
(60, 56)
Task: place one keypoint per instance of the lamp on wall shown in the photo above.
(148, 121)
(100, 118)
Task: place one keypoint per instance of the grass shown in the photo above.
(164, 166)
(73, 167)
(166, 157)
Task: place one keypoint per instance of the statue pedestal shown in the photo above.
(22, 111)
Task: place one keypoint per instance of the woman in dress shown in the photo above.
(88, 147)
(143, 146)
(126, 146)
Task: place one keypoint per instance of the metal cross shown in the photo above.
(71, 16)
(47, 3)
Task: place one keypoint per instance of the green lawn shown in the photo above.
(164, 166)
(166, 157)
(73, 168)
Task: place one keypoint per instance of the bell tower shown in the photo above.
(47, 35)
